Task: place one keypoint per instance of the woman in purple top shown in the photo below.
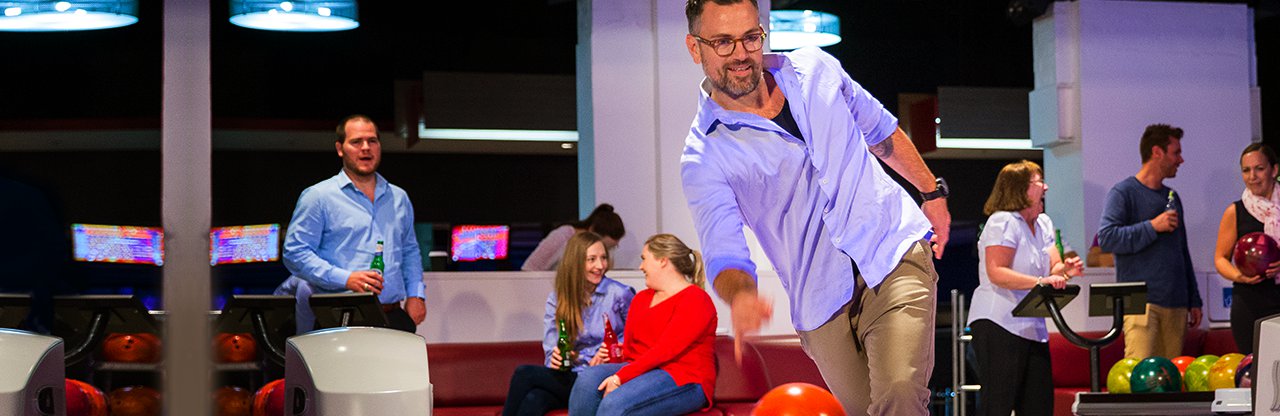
(582, 298)
(1016, 252)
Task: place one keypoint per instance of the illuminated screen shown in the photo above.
(118, 244)
(479, 242)
(244, 244)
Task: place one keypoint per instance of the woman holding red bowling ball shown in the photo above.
(1258, 210)
(1016, 252)
(582, 297)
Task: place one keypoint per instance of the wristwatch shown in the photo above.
(942, 191)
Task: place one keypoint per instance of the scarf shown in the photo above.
(1266, 210)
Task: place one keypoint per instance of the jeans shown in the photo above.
(536, 390)
(652, 393)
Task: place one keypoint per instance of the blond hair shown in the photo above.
(686, 261)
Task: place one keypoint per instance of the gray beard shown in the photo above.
(735, 88)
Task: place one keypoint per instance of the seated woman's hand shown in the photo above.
(1074, 267)
(610, 384)
(556, 360)
(601, 357)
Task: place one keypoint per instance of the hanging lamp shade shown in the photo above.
(58, 16)
(295, 16)
(793, 29)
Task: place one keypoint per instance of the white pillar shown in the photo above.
(185, 208)
(1105, 69)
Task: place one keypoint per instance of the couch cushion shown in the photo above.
(477, 374)
(736, 409)
(785, 361)
(1220, 341)
(467, 411)
(1071, 363)
(1063, 398)
(736, 382)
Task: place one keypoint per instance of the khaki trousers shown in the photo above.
(1158, 333)
(876, 355)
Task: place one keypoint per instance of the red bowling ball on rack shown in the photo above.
(131, 348)
(269, 400)
(84, 399)
(134, 401)
(235, 348)
(1254, 253)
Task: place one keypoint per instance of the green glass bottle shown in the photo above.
(1057, 242)
(377, 259)
(566, 349)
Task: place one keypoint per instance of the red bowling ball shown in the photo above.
(84, 399)
(235, 348)
(269, 400)
(134, 401)
(131, 348)
(1254, 253)
(233, 401)
(798, 399)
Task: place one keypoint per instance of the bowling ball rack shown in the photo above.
(85, 320)
(1105, 299)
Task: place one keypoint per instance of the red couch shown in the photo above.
(471, 379)
(1071, 363)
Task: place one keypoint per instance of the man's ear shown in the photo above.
(338, 146)
(692, 43)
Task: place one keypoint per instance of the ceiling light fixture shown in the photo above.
(59, 16)
(296, 15)
(794, 29)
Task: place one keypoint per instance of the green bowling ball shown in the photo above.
(1155, 375)
(1196, 377)
(1118, 377)
(1207, 360)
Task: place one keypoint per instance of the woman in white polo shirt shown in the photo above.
(1016, 252)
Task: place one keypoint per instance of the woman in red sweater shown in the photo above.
(669, 363)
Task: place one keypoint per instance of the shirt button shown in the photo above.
(836, 240)
(825, 210)
(824, 181)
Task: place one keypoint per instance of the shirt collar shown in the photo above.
(380, 183)
(710, 114)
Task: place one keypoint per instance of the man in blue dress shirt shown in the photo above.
(338, 222)
(787, 144)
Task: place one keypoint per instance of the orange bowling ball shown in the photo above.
(233, 401)
(131, 348)
(235, 348)
(269, 400)
(798, 399)
(1182, 363)
(84, 399)
(134, 401)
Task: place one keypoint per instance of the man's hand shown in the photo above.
(417, 309)
(938, 215)
(610, 384)
(1165, 222)
(1193, 318)
(362, 281)
(601, 357)
(748, 312)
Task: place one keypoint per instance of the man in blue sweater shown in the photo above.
(1140, 224)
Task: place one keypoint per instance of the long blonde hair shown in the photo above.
(686, 261)
(572, 296)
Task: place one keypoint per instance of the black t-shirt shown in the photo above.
(788, 121)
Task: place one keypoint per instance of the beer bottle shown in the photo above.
(1057, 242)
(566, 349)
(1168, 206)
(611, 342)
(377, 259)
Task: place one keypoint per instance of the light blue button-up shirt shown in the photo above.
(335, 229)
(612, 298)
(814, 204)
(1030, 256)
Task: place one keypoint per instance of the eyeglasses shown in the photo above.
(725, 46)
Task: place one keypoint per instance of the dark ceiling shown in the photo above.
(890, 46)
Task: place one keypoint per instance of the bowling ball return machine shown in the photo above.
(355, 366)
(31, 365)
